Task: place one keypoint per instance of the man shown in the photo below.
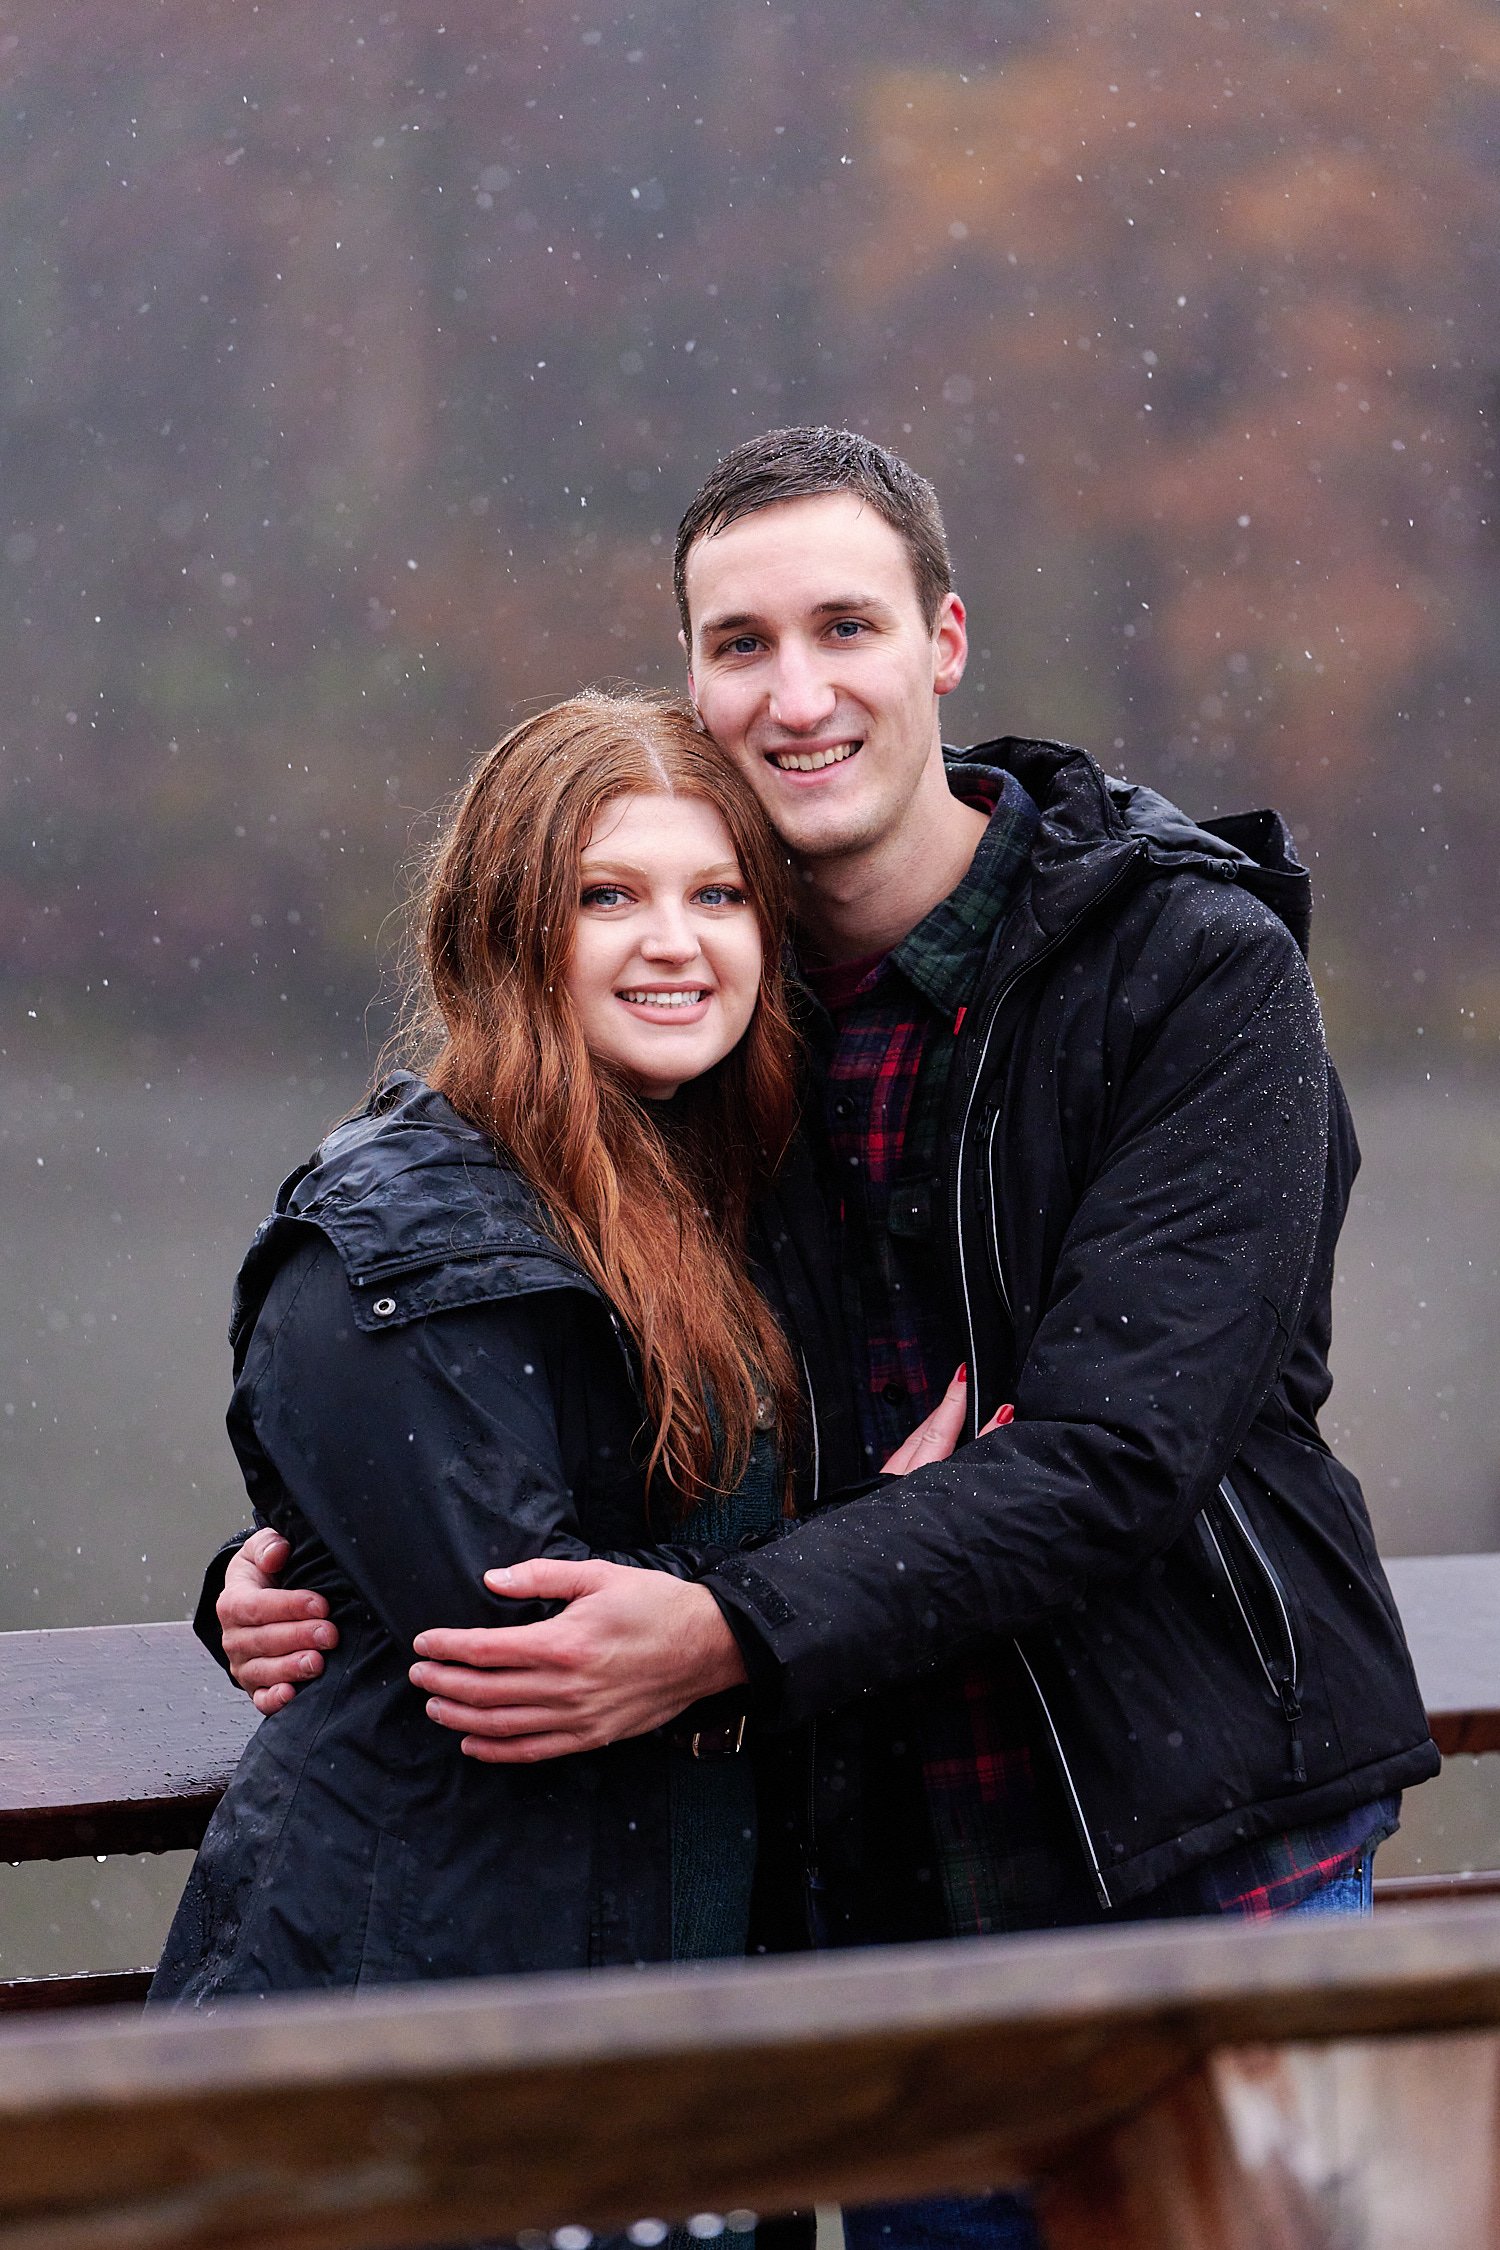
(1133, 1654)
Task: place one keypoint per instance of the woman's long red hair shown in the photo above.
(652, 1200)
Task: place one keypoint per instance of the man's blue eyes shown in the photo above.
(846, 629)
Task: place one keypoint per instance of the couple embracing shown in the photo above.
(819, 1359)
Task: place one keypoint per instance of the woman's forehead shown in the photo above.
(659, 825)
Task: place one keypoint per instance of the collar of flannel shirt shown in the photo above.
(942, 956)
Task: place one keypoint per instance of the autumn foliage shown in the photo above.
(355, 364)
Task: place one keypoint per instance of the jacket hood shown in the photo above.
(424, 1212)
(1093, 827)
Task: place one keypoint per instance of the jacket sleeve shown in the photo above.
(1175, 1295)
(420, 1456)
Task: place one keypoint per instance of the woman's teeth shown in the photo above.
(688, 997)
(812, 761)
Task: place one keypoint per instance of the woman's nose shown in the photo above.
(671, 937)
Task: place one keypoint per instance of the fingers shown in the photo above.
(484, 1690)
(938, 1433)
(525, 1750)
(253, 1672)
(267, 1700)
(547, 1578)
(255, 1563)
(281, 1640)
(944, 1426)
(500, 1726)
(1001, 1419)
(489, 1648)
(250, 1601)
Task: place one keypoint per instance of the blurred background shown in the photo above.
(355, 365)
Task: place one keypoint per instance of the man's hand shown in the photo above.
(631, 1650)
(272, 1636)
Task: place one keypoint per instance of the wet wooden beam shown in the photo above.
(437, 2113)
(113, 1738)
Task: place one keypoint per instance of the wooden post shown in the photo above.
(1347, 2147)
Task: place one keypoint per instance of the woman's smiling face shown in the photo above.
(667, 953)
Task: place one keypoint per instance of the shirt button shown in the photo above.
(765, 1414)
(894, 1394)
(843, 1107)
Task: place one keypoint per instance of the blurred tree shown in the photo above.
(354, 364)
(1224, 279)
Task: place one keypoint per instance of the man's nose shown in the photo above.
(802, 696)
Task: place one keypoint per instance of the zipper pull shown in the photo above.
(1291, 1706)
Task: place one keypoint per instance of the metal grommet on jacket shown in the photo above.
(383, 1307)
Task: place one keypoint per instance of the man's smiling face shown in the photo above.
(813, 667)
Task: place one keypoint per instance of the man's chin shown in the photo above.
(817, 835)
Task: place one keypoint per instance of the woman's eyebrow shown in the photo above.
(721, 871)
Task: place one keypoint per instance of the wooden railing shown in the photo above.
(1183, 2087)
(121, 1738)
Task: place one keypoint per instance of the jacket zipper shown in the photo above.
(1282, 1674)
(1126, 866)
(815, 1912)
(1101, 1888)
(812, 1415)
(975, 1391)
(997, 1264)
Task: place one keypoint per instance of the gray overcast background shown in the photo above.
(354, 366)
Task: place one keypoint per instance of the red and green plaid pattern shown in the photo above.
(1004, 1840)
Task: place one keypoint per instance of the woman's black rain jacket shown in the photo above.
(425, 1386)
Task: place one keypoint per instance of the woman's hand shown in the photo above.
(934, 1438)
(272, 1635)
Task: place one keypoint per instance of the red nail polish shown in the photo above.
(963, 1374)
(1006, 1414)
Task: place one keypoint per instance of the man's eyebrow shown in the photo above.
(838, 605)
(841, 604)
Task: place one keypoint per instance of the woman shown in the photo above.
(449, 1338)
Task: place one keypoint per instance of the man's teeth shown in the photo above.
(812, 761)
(688, 997)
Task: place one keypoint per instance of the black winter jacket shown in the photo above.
(1148, 1159)
(425, 1387)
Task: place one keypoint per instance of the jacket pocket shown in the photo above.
(1259, 1599)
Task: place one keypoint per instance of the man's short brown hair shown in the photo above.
(798, 465)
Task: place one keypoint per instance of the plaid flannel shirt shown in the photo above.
(1003, 1837)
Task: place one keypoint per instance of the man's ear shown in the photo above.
(950, 646)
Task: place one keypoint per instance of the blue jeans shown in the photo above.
(1006, 2222)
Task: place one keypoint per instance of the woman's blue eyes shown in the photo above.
(712, 894)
